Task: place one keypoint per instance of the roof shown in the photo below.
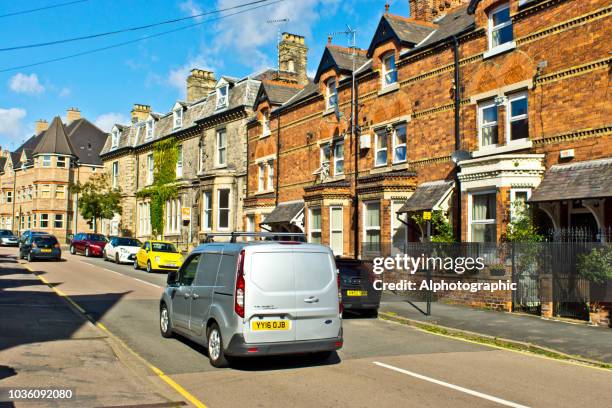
(456, 21)
(87, 141)
(340, 59)
(309, 90)
(54, 140)
(587, 179)
(277, 92)
(427, 196)
(284, 213)
(406, 31)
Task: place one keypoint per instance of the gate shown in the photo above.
(525, 273)
(570, 291)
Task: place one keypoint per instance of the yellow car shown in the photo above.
(158, 256)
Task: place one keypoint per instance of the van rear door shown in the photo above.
(269, 314)
(316, 294)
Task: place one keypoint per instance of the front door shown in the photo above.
(181, 297)
(203, 287)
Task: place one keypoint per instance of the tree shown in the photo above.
(522, 228)
(441, 228)
(97, 199)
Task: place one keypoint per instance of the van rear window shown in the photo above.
(273, 271)
(313, 270)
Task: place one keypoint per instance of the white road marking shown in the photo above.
(452, 386)
(148, 283)
(124, 275)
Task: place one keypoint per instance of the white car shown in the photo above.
(121, 250)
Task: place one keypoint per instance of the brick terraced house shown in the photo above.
(36, 176)
(463, 106)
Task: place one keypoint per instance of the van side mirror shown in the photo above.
(172, 277)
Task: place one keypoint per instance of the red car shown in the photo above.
(88, 244)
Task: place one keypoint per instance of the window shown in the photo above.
(60, 192)
(115, 174)
(389, 70)
(325, 154)
(314, 225)
(483, 224)
(250, 225)
(201, 156)
(207, 210)
(144, 219)
(9, 196)
(338, 158)
(177, 118)
(44, 220)
(150, 169)
(58, 222)
(179, 161)
(265, 122)
(188, 272)
(46, 160)
(173, 216)
(487, 123)
(221, 147)
(114, 139)
(45, 191)
(34, 220)
(261, 177)
(61, 162)
(332, 94)
(336, 222)
(222, 96)
(518, 201)
(516, 112)
(224, 210)
(150, 125)
(399, 144)
(381, 148)
(500, 26)
(270, 185)
(29, 221)
(371, 227)
(398, 229)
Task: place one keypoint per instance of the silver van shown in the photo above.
(255, 298)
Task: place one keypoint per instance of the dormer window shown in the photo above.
(150, 127)
(389, 70)
(177, 118)
(222, 92)
(500, 26)
(332, 94)
(115, 138)
(265, 122)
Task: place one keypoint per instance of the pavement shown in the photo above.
(382, 364)
(577, 339)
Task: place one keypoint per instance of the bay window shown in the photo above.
(314, 225)
(398, 228)
(207, 210)
(371, 226)
(223, 215)
(336, 234)
(483, 217)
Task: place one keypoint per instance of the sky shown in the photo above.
(104, 85)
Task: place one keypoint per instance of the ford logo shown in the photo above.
(328, 322)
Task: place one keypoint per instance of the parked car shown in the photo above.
(88, 244)
(255, 298)
(7, 238)
(27, 234)
(39, 246)
(158, 256)
(356, 282)
(121, 249)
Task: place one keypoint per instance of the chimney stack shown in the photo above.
(72, 114)
(293, 58)
(41, 126)
(428, 10)
(199, 84)
(140, 112)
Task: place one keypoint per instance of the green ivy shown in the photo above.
(165, 156)
(441, 228)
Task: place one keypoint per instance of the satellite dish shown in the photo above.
(460, 155)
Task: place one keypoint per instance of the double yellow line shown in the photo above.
(177, 387)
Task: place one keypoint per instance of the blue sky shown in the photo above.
(105, 85)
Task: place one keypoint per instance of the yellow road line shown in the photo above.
(176, 386)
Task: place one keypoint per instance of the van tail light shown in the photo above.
(239, 293)
(340, 304)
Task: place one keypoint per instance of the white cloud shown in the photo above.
(22, 83)
(192, 8)
(106, 121)
(177, 77)
(11, 123)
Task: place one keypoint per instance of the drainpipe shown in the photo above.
(355, 136)
(14, 198)
(457, 132)
(278, 146)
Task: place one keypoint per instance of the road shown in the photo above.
(382, 364)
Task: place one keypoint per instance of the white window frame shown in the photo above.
(179, 161)
(377, 136)
(261, 176)
(265, 123)
(310, 228)
(150, 128)
(509, 118)
(385, 72)
(45, 191)
(395, 145)
(9, 196)
(114, 139)
(363, 221)
(150, 169)
(270, 176)
(228, 209)
(60, 190)
(61, 221)
(491, 28)
(46, 160)
(324, 159)
(482, 105)
(44, 217)
(201, 151)
(513, 192)
(61, 159)
(397, 224)
(177, 118)
(338, 159)
(115, 181)
(331, 97)
(207, 211)
(222, 96)
(221, 148)
(250, 225)
(487, 221)
(336, 230)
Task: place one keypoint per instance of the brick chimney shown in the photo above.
(40, 126)
(293, 58)
(140, 112)
(199, 84)
(428, 10)
(72, 114)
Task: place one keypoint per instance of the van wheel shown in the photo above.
(215, 347)
(72, 250)
(164, 321)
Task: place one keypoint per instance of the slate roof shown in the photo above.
(284, 213)
(54, 140)
(278, 93)
(406, 31)
(587, 179)
(456, 21)
(308, 91)
(340, 59)
(427, 196)
(87, 141)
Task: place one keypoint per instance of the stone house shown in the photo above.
(35, 178)
(463, 106)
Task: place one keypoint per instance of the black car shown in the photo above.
(39, 246)
(7, 238)
(358, 293)
(28, 234)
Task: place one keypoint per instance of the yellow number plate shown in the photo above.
(261, 325)
(45, 250)
(356, 293)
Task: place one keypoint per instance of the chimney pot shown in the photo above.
(41, 125)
